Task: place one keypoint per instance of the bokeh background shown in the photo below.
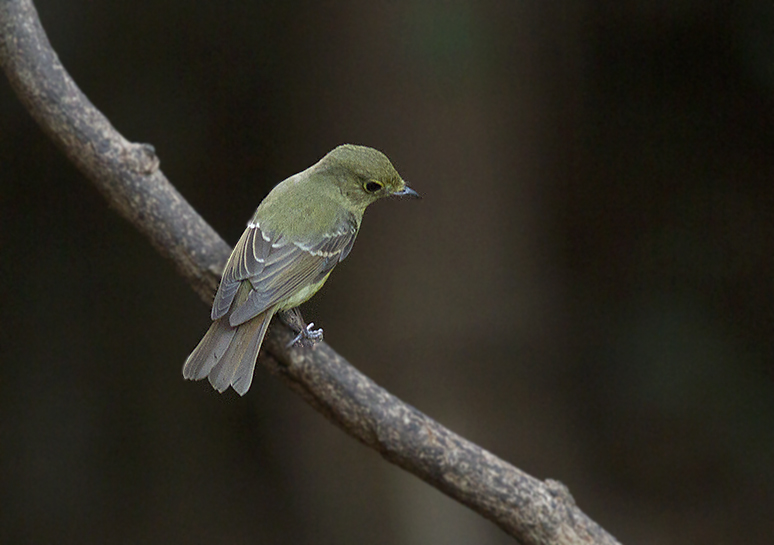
(585, 290)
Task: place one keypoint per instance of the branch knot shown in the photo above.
(141, 158)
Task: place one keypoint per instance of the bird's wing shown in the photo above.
(278, 266)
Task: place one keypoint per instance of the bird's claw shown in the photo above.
(308, 333)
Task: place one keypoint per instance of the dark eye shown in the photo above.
(372, 186)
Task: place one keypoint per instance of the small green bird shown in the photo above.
(304, 227)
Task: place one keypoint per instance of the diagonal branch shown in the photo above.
(128, 175)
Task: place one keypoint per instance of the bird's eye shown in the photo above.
(372, 186)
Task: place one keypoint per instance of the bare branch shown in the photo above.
(128, 175)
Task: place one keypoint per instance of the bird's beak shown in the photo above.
(407, 192)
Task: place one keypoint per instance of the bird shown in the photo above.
(301, 230)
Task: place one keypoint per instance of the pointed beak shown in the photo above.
(407, 192)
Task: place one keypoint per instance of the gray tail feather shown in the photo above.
(209, 350)
(227, 354)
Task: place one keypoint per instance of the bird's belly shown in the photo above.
(302, 295)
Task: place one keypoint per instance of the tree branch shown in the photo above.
(128, 175)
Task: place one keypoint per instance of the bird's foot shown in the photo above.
(307, 333)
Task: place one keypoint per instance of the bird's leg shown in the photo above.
(306, 332)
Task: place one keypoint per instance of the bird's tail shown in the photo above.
(227, 354)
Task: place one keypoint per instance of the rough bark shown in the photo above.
(128, 175)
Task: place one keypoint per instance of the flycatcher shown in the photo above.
(303, 228)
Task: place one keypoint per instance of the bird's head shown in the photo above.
(364, 175)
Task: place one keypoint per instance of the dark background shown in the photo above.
(586, 289)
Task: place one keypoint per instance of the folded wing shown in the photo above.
(277, 266)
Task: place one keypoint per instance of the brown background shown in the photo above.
(586, 289)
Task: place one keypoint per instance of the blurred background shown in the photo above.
(585, 290)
